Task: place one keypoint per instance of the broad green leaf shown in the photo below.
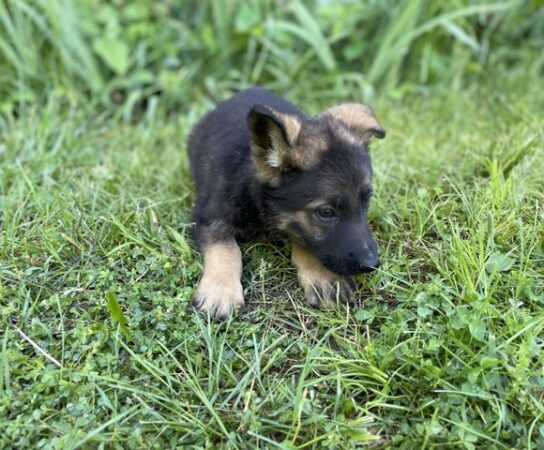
(486, 362)
(477, 329)
(499, 262)
(364, 315)
(248, 16)
(114, 53)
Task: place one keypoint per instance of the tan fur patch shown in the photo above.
(316, 202)
(302, 219)
(309, 149)
(299, 148)
(220, 290)
(346, 134)
(279, 155)
(358, 118)
(291, 124)
(320, 285)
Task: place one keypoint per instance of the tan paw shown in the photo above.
(328, 293)
(218, 300)
(321, 286)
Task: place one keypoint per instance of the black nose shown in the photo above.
(369, 264)
(362, 263)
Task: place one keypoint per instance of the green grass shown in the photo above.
(123, 52)
(99, 345)
(444, 347)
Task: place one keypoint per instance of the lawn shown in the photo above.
(100, 347)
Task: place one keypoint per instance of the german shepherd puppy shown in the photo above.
(261, 165)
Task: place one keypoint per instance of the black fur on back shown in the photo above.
(220, 160)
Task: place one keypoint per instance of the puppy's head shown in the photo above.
(315, 175)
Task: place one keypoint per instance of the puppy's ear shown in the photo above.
(273, 136)
(359, 120)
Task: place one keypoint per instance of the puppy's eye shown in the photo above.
(326, 213)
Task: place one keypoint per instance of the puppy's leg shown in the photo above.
(220, 290)
(321, 286)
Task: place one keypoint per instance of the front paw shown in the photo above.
(328, 293)
(218, 300)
